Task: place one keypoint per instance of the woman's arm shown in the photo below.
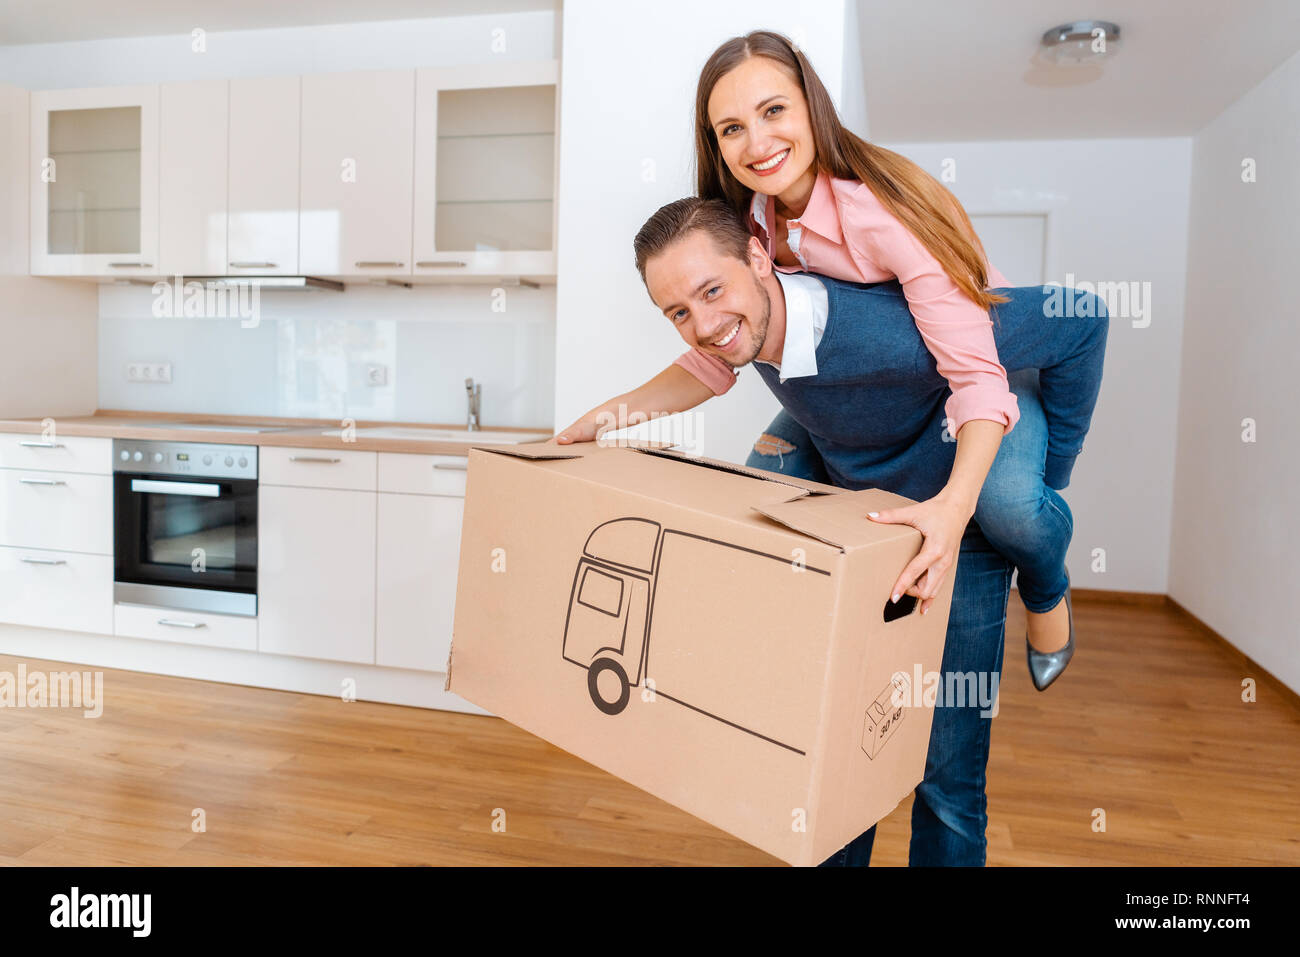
(942, 520)
(673, 390)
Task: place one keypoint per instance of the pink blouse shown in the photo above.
(846, 233)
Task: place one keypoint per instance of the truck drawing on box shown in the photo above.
(615, 601)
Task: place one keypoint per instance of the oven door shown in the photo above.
(186, 542)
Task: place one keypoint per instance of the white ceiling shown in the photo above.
(55, 21)
(955, 70)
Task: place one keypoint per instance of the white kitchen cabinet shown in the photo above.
(53, 589)
(357, 140)
(94, 167)
(73, 453)
(316, 573)
(192, 151)
(485, 169)
(68, 511)
(317, 468)
(185, 627)
(418, 556)
(263, 202)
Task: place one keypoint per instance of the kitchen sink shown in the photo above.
(443, 435)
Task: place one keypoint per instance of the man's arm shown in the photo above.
(672, 390)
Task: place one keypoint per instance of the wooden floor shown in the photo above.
(1148, 724)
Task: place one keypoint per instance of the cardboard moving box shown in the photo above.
(718, 636)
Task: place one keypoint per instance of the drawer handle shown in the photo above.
(41, 445)
(26, 481)
(364, 263)
(173, 623)
(130, 265)
(447, 465)
(313, 458)
(44, 561)
(436, 263)
(244, 265)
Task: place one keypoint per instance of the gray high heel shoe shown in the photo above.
(1046, 666)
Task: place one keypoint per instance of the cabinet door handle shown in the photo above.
(44, 561)
(366, 262)
(313, 458)
(452, 467)
(242, 265)
(41, 445)
(173, 623)
(130, 265)
(441, 263)
(27, 481)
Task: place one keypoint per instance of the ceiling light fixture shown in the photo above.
(1084, 41)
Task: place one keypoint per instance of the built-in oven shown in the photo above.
(185, 525)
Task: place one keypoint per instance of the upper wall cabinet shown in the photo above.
(95, 181)
(263, 224)
(485, 169)
(192, 148)
(357, 140)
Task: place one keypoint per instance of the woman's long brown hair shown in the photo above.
(917, 199)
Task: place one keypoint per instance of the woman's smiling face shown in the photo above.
(760, 117)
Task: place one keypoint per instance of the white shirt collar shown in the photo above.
(805, 321)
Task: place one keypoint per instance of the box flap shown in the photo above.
(840, 520)
(665, 450)
(551, 449)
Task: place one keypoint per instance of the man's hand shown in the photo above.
(942, 522)
(584, 430)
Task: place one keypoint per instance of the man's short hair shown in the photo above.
(678, 219)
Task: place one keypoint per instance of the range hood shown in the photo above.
(269, 282)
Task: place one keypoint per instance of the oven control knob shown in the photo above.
(157, 456)
(125, 456)
(207, 460)
(229, 461)
(243, 462)
(139, 456)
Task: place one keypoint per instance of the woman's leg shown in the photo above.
(1029, 523)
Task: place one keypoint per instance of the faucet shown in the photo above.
(473, 391)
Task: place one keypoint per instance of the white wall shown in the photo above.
(1236, 506)
(1118, 212)
(47, 327)
(626, 150)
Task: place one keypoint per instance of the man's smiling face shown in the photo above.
(717, 302)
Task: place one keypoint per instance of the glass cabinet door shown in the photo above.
(94, 208)
(95, 193)
(485, 171)
(496, 169)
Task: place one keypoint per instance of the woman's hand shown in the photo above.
(942, 523)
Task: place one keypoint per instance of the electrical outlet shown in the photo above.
(149, 372)
(377, 375)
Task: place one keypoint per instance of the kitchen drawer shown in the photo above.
(187, 627)
(56, 590)
(422, 474)
(69, 453)
(317, 468)
(67, 511)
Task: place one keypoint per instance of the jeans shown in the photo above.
(950, 810)
(1021, 517)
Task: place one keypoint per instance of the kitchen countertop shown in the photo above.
(293, 433)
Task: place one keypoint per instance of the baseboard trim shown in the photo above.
(1250, 663)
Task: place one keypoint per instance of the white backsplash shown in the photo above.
(308, 352)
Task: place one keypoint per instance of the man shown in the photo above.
(872, 407)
